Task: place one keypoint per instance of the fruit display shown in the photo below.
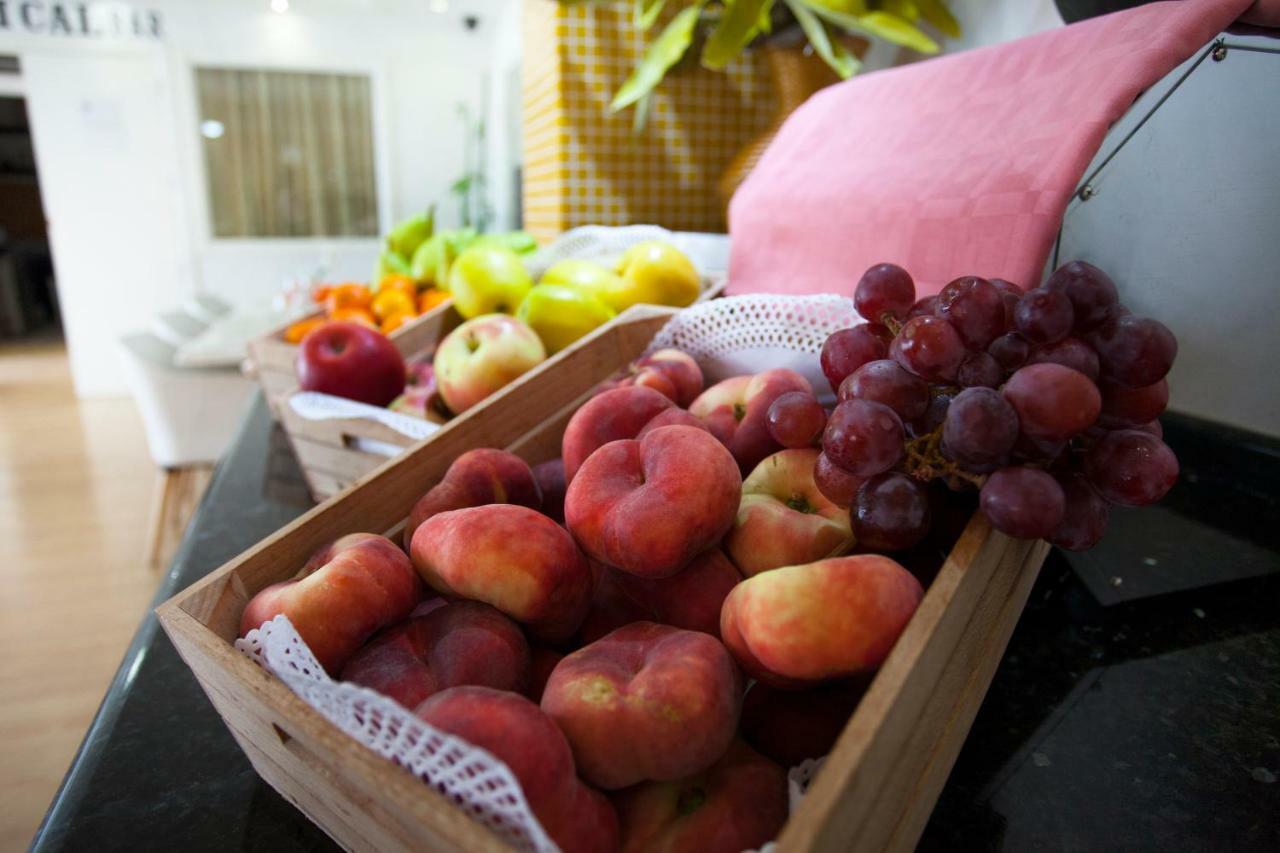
(1044, 402)
(651, 629)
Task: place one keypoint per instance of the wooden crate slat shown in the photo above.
(256, 704)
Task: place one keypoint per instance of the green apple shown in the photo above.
(411, 233)
(483, 355)
(560, 315)
(488, 280)
(592, 278)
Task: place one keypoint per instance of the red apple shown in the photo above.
(349, 360)
(482, 356)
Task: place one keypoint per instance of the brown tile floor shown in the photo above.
(75, 487)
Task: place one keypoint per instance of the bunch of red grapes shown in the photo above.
(1044, 401)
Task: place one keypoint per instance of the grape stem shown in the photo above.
(925, 461)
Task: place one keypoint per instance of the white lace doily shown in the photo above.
(730, 336)
(480, 784)
(746, 334)
(315, 406)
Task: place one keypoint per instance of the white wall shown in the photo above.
(147, 234)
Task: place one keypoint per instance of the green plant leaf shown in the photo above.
(765, 24)
(641, 115)
(647, 12)
(665, 52)
(907, 10)
(877, 24)
(739, 24)
(831, 50)
(937, 13)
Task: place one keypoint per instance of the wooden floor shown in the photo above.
(75, 488)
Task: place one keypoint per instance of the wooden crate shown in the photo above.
(334, 453)
(271, 358)
(878, 785)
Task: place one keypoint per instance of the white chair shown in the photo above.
(189, 415)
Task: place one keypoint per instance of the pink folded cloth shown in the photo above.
(962, 165)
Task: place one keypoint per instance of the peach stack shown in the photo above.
(594, 621)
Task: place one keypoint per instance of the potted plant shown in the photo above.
(725, 28)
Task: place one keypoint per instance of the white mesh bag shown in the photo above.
(730, 336)
(605, 245)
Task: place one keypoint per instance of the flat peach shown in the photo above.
(646, 702)
(799, 625)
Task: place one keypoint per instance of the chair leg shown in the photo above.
(178, 493)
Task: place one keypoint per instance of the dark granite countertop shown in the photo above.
(1136, 708)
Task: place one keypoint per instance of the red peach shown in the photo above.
(541, 663)
(737, 412)
(364, 584)
(512, 557)
(792, 725)
(783, 518)
(671, 417)
(550, 478)
(834, 618)
(739, 803)
(680, 370)
(477, 477)
(690, 599)
(611, 607)
(517, 733)
(461, 643)
(613, 415)
(650, 506)
(646, 702)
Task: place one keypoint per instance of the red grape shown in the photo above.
(1135, 351)
(1091, 291)
(1053, 402)
(925, 307)
(886, 381)
(979, 370)
(1011, 350)
(1028, 449)
(980, 427)
(863, 437)
(796, 419)
(1010, 293)
(1044, 316)
(884, 289)
(1085, 515)
(1152, 428)
(1025, 503)
(1131, 467)
(939, 402)
(890, 513)
(1006, 286)
(1133, 407)
(975, 308)
(929, 347)
(835, 483)
(1069, 352)
(848, 349)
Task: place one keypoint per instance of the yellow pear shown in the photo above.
(660, 274)
(561, 314)
(591, 278)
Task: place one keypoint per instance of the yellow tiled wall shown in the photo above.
(586, 166)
